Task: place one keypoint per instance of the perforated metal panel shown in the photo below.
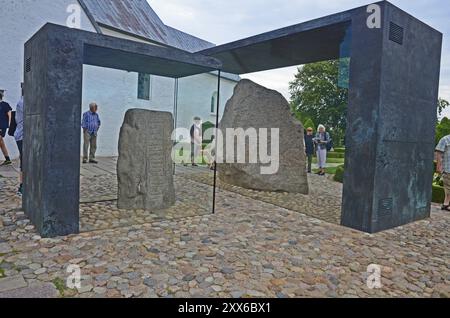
(396, 33)
(28, 65)
(385, 207)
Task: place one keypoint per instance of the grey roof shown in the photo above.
(187, 42)
(138, 18)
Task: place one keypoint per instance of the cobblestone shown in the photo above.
(249, 248)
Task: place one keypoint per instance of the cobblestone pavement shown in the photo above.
(98, 208)
(248, 249)
(323, 202)
(192, 199)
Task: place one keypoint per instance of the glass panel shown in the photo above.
(195, 151)
(184, 99)
(344, 60)
(214, 102)
(317, 94)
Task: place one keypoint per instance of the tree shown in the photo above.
(442, 104)
(308, 123)
(443, 126)
(442, 129)
(316, 95)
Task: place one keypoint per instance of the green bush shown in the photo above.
(438, 194)
(339, 150)
(308, 123)
(336, 155)
(442, 129)
(331, 160)
(438, 180)
(207, 125)
(339, 176)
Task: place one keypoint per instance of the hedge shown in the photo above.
(339, 176)
(438, 194)
(338, 155)
(339, 150)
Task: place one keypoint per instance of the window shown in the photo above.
(214, 103)
(144, 86)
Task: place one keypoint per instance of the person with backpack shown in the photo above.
(323, 143)
(5, 120)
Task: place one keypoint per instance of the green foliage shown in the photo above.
(60, 285)
(438, 188)
(309, 123)
(315, 94)
(438, 194)
(329, 170)
(442, 104)
(339, 175)
(339, 150)
(207, 125)
(442, 129)
(303, 118)
(331, 160)
(336, 155)
(438, 180)
(336, 160)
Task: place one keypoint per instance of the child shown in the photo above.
(309, 147)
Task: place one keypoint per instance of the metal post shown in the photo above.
(215, 137)
(175, 114)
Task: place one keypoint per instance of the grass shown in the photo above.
(60, 285)
(331, 170)
(332, 160)
(337, 155)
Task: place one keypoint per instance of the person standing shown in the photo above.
(91, 124)
(309, 147)
(443, 167)
(196, 140)
(5, 121)
(322, 140)
(18, 135)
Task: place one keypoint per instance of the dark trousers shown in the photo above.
(90, 146)
(19, 146)
(310, 158)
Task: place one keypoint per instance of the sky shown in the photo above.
(220, 22)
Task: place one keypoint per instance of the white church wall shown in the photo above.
(115, 91)
(19, 21)
(195, 95)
